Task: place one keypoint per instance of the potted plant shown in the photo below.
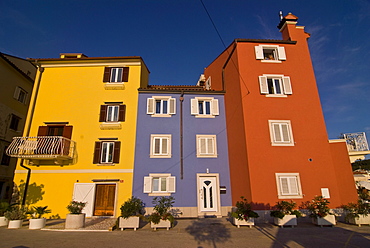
(161, 217)
(75, 219)
(131, 211)
(243, 215)
(358, 213)
(15, 216)
(37, 221)
(320, 211)
(4, 206)
(285, 214)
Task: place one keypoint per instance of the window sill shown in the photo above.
(204, 116)
(110, 125)
(290, 196)
(282, 144)
(271, 61)
(160, 156)
(159, 194)
(114, 86)
(161, 115)
(206, 156)
(107, 164)
(276, 95)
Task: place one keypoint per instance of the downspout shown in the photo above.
(181, 137)
(226, 63)
(27, 127)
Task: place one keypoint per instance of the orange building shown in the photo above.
(277, 139)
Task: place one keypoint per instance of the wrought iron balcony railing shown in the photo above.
(41, 147)
(356, 142)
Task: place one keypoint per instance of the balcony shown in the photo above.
(55, 148)
(357, 145)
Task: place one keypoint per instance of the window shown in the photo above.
(275, 85)
(116, 74)
(159, 184)
(204, 107)
(281, 133)
(289, 185)
(20, 95)
(161, 106)
(160, 146)
(14, 122)
(112, 113)
(206, 146)
(270, 53)
(107, 152)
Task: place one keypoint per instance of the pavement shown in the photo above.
(194, 233)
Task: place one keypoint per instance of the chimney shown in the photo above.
(288, 28)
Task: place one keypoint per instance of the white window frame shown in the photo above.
(116, 74)
(163, 112)
(112, 113)
(18, 93)
(170, 182)
(278, 51)
(292, 188)
(210, 152)
(277, 135)
(284, 83)
(164, 152)
(107, 152)
(214, 107)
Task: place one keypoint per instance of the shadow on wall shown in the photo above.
(207, 230)
(34, 193)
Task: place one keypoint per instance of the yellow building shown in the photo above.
(79, 138)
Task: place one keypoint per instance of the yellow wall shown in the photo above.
(74, 94)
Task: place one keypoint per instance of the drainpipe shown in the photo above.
(27, 126)
(181, 137)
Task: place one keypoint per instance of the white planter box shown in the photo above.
(15, 224)
(361, 220)
(130, 222)
(75, 221)
(287, 220)
(37, 223)
(3, 221)
(328, 220)
(238, 223)
(161, 224)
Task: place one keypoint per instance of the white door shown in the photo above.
(208, 194)
(85, 192)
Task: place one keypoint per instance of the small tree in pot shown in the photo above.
(15, 215)
(320, 211)
(4, 207)
(243, 214)
(131, 211)
(285, 213)
(161, 216)
(37, 221)
(75, 219)
(358, 213)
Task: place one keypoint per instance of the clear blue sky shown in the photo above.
(177, 40)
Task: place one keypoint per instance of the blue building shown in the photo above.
(181, 150)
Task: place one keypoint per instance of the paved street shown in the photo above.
(195, 233)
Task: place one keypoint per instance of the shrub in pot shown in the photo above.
(4, 206)
(75, 219)
(15, 216)
(320, 211)
(358, 213)
(161, 216)
(285, 214)
(243, 215)
(37, 221)
(131, 212)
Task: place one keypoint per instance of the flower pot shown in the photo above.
(3, 221)
(75, 221)
(287, 220)
(37, 223)
(130, 222)
(161, 224)
(249, 222)
(328, 220)
(361, 220)
(15, 224)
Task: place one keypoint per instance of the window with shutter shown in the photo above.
(161, 106)
(270, 53)
(275, 85)
(281, 133)
(116, 74)
(159, 184)
(288, 185)
(204, 107)
(206, 146)
(112, 113)
(20, 95)
(160, 146)
(106, 152)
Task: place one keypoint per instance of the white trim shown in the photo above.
(299, 194)
(218, 196)
(76, 171)
(199, 137)
(152, 145)
(273, 136)
(170, 184)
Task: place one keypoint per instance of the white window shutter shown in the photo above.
(150, 106)
(287, 86)
(276, 130)
(285, 132)
(16, 92)
(194, 106)
(85, 192)
(171, 184)
(263, 85)
(293, 186)
(259, 52)
(164, 150)
(284, 187)
(210, 146)
(172, 106)
(215, 110)
(281, 52)
(147, 184)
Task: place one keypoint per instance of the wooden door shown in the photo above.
(105, 195)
